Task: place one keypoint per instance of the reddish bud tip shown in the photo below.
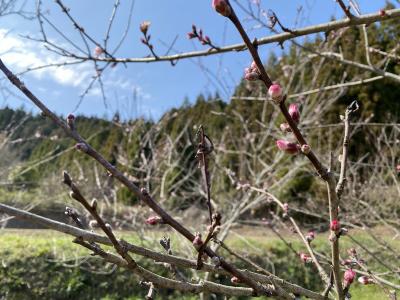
(191, 35)
(305, 258)
(70, 117)
(222, 7)
(82, 147)
(335, 225)
(310, 236)
(235, 280)
(153, 220)
(294, 112)
(365, 280)
(288, 147)
(382, 12)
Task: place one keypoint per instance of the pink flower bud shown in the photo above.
(235, 280)
(197, 241)
(98, 51)
(398, 168)
(335, 225)
(306, 149)
(365, 280)
(305, 258)
(222, 7)
(144, 26)
(251, 76)
(310, 236)
(275, 92)
(153, 220)
(294, 112)
(254, 67)
(382, 12)
(82, 147)
(288, 147)
(348, 277)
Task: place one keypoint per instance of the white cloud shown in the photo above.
(21, 54)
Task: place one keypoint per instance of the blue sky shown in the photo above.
(158, 86)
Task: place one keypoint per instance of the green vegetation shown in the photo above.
(39, 264)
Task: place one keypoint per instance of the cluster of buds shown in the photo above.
(348, 277)
(288, 147)
(98, 51)
(203, 39)
(310, 236)
(305, 258)
(197, 241)
(222, 7)
(154, 220)
(252, 73)
(144, 27)
(365, 280)
(275, 92)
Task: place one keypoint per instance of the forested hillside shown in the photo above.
(160, 155)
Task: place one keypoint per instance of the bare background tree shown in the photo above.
(246, 175)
